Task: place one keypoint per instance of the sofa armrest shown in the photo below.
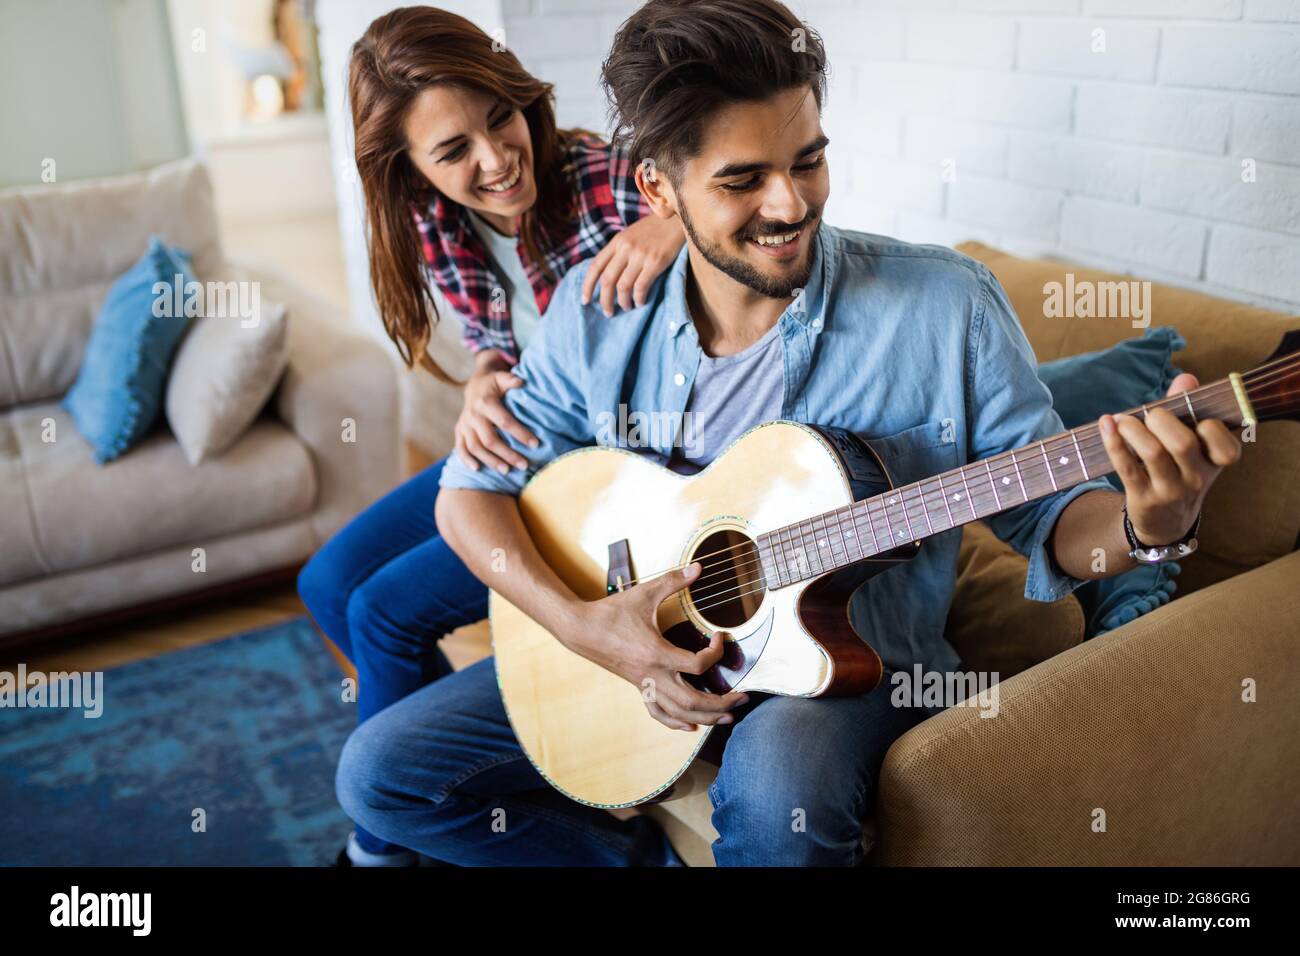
(1146, 724)
(335, 373)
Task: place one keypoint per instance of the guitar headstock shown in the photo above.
(1274, 385)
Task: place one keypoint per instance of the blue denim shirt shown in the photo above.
(915, 348)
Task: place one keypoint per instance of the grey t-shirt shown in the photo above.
(730, 395)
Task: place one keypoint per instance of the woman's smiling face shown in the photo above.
(475, 150)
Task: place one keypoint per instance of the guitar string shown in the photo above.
(718, 598)
(918, 507)
(1264, 375)
(706, 594)
(922, 503)
(712, 595)
(1091, 440)
(843, 556)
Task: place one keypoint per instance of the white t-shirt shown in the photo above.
(504, 251)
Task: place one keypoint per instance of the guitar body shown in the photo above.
(588, 731)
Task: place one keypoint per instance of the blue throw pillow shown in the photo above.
(118, 393)
(1085, 387)
(1132, 373)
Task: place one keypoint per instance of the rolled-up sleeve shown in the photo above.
(552, 402)
(1009, 408)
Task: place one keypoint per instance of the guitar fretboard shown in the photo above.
(910, 513)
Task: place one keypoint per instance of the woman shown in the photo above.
(470, 191)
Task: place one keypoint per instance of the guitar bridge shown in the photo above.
(619, 576)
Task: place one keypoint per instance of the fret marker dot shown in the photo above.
(821, 544)
(900, 534)
(892, 500)
(957, 497)
(1006, 481)
(1064, 460)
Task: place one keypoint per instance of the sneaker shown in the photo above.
(352, 852)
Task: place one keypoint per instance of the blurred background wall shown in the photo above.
(1107, 131)
(89, 89)
(1157, 137)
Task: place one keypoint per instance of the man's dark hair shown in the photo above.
(675, 63)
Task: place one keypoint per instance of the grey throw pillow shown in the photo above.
(224, 372)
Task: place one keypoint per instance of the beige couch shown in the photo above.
(80, 540)
(1146, 723)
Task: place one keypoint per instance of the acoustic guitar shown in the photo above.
(787, 523)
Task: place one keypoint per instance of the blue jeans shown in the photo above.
(442, 772)
(385, 589)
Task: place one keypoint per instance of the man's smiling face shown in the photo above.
(751, 200)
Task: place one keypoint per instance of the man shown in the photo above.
(766, 314)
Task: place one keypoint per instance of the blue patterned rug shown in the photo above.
(248, 729)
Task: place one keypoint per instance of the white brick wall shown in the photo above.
(1160, 137)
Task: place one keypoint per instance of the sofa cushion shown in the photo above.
(991, 623)
(70, 514)
(118, 393)
(1133, 372)
(56, 600)
(65, 244)
(222, 377)
(1252, 514)
(20, 555)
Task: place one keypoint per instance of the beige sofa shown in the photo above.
(80, 540)
(1146, 724)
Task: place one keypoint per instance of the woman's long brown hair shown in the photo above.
(401, 54)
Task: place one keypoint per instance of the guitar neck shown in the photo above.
(910, 513)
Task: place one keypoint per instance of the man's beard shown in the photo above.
(746, 274)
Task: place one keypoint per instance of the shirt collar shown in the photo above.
(806, 310)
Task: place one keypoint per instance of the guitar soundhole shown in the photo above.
(730, 586)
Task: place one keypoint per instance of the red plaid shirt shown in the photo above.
(604, 182)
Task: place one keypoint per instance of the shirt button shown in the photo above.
(672, 326)
(817, 323)
(679, 379)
